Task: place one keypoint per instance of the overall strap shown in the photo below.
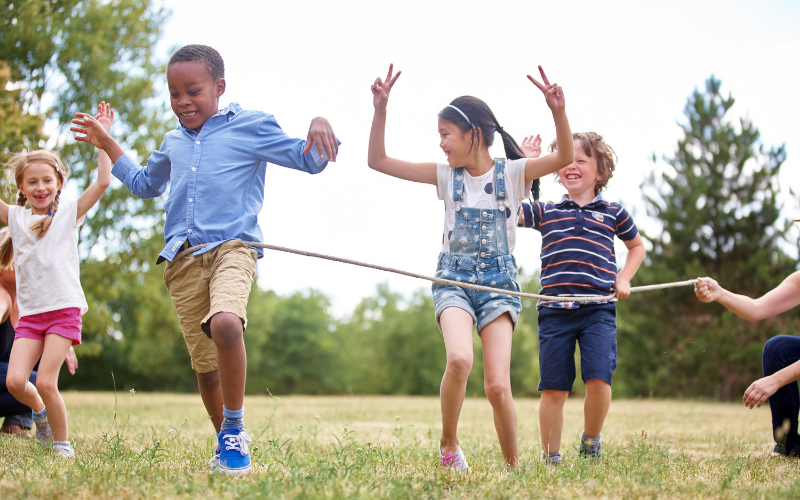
(499, 179)
(458, 184)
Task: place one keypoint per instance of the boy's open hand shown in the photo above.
(707, 290)
(105, 115)
(320, 134)
(381, 89)
(532, 147)
(94, 132)
(553, 94)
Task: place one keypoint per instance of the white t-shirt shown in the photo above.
(46, 268)
(479, 193)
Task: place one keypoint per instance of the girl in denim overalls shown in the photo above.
(482, 200)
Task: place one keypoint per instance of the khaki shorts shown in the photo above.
(216, 281)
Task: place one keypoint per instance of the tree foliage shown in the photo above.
(718, 203)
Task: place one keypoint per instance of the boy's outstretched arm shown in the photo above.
(784, 297)
(273, 145)
(636, 253)
(105, 116)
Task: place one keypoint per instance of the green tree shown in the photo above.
(718, 203)
(59, 57)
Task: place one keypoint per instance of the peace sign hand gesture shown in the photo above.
(381, 89)
(553, 94)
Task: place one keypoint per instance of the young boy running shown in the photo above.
(216, 161)
(578, 259)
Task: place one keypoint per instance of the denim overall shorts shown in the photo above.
(479, 255)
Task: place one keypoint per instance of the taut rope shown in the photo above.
(461, 284)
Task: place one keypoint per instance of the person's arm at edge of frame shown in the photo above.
(784, 297)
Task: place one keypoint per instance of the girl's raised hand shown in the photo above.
(532, 147)
(553, 94)
(381, 89)
(105, 115)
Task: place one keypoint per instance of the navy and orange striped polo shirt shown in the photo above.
(578, 246)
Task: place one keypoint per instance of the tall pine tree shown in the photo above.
(717, 199)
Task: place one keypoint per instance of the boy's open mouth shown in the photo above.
(572, 177)
(188, 114)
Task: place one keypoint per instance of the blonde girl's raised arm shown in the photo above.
(376, 157)
(565, 152)
(88, 198)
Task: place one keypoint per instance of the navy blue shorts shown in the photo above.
(594, 327)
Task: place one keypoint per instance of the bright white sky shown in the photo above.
(626, 67)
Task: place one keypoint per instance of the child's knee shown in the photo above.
(555, 397)
(46, 387)
(459, 363)
(497, 391)
(598, 384)
(226, 328)
(208, 380)
(16, 384)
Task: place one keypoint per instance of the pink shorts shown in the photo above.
(64, 322)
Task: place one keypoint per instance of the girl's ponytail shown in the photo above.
(514, 152)
(469, 113)
(6, 250)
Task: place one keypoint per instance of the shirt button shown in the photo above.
(483, 264)
(193, 169)
(483, 241)
(483, 254)
(191, 200)
(190, 231)
(197, 142)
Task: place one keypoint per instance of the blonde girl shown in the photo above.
(43, 245)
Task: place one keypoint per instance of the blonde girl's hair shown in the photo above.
(6, 250)
(15, 170)
(594, 145)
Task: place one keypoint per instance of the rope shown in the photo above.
(553, 298)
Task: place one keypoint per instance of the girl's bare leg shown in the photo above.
(496, 338)
(56, 348)
(24, 355)
(456, 327)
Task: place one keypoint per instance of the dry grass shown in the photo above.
(385, 447)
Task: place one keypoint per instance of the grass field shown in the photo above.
(158, 445)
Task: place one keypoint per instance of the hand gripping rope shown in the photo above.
(554, 298)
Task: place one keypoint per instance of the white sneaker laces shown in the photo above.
(237, 442)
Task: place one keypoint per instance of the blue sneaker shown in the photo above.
(213, 464)
(234, 455)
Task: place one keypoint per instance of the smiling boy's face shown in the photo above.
(582, 175)
(194, 95)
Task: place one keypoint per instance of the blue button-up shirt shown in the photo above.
(217, 176)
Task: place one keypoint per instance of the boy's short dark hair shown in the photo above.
(594, 145)
(204, 53)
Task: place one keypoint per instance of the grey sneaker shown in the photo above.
(64, 451)
(43, 433)
(591, 447)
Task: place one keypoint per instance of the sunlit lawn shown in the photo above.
(158, 445)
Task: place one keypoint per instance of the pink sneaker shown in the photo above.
(456, 460)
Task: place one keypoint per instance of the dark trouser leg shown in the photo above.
(8, 405)
(780, 352)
